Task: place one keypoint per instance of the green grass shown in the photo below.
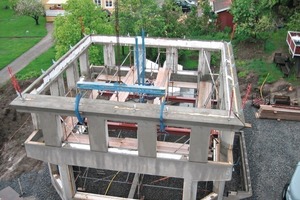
(276, 41)
(34, 69)
(17, 34)
(188, 59)
(11, 48)
(261, 68)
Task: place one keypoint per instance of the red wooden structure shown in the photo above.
(293, 40)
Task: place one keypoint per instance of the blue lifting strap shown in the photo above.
(77, 100)
(161, 118)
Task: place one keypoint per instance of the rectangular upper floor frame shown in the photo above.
(128, 111)
(227, 76)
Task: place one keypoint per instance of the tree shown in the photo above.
(253, 19)
(31, 8)
(135, 15)
(173, 20)
(201, 24)
(82, 17)
(293, 24)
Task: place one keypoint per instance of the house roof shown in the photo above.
(221, 5)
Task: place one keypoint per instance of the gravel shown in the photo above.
(273, 152)
(36, 185)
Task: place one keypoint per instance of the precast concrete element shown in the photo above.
(56, 138)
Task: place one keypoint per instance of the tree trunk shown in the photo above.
(36, 18)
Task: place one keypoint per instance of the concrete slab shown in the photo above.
(9, 194)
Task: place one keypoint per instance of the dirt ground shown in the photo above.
(15, 127)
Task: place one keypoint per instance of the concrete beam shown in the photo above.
(160, 42)
(43, 82)
(219, 171)
(125, 111)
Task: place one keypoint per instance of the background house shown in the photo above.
(54, 8)
(221, 8)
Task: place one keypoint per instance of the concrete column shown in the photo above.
(227, 138)
(72, 75)
(98, 133)
(61, 85)
(52, 129)
(54, 88)
(218, 187)
(172, 59)
(189, 189)
(35, 121)
(203, 65)
(147, 135)
(109, 55)
(199, 143)
(84, 64)
(68, 183)
(53, 169)
(34, 116)
(57, 88)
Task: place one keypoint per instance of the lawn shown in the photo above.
(17, 34)
(34, 69)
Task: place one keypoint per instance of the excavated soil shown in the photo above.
(15, 127)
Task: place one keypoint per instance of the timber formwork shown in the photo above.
(57, 140)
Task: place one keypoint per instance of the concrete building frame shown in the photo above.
(50, 100)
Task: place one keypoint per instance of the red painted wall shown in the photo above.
(225, 19)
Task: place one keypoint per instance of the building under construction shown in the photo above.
(129, 123)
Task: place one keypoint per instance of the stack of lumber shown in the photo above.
(129, 79)
(278, 112)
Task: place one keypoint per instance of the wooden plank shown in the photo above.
(68, 125)
(204, 98)
(162, 78)
(132, 144)
(105, 77)
(129, 79)
(78, 138)
(181, 84)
